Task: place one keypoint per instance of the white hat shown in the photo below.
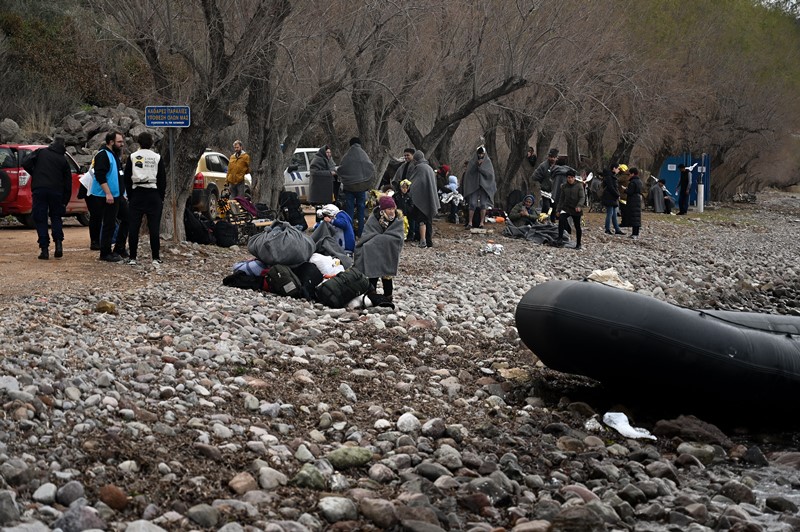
(328, 210)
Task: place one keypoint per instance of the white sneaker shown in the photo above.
(131, 262)
(157, 262)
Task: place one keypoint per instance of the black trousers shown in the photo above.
(107, 215)
(563, 225)
(145, 202)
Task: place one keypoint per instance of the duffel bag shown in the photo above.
(338, 291)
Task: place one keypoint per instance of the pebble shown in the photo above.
(256, 412)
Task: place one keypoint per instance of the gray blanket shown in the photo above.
(356, 171)
(480, 176)
(545, 234)
(423, 191)
(320, 190)
(326, 244)
(378, 250)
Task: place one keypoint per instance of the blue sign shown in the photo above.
(167, 116)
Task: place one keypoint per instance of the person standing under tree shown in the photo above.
(543, 176)
(357, 173)
(424, 197)
(105, 197)
(51, 188)
(323, 173)
(146, 183)
(238, 167)
(683, 189)
(479, 184)
(634, 204)
(570, 202)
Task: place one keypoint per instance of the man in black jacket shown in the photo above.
(51, 187)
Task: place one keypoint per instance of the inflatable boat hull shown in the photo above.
(636, 343)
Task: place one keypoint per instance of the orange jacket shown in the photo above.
(237, 168)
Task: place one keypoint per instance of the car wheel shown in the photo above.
(26, 220)
(212, 209)
(5, 185)
(83, 219)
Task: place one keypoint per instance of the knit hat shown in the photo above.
(386, 202)
(553, 152)
(355, 140)
(445, 169)
(405, 182)
(528, 197)
(623, 168)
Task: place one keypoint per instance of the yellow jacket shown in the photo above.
(237, 167)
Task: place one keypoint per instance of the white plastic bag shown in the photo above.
(87, 178)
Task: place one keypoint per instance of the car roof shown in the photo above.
(24, 146)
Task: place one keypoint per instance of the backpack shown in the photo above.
(309, 276)
(226, 234)
(197, 229)
(292, 210)
(338, 291)
(282, 281)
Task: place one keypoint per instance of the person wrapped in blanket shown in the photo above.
(524, 213)
(404, 206)
(378, 250)
(341, 226)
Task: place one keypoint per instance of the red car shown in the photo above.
(15, 185)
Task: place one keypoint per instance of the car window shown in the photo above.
(73, 166)
(214, 164)
(299, 160)
(7, 158)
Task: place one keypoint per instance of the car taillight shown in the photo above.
(199, 181)
(23, 178)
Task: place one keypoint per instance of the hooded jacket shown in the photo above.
(52, 171)
(320, 189)
(480, 176)
(238, 166)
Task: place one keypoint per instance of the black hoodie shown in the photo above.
(52, 171)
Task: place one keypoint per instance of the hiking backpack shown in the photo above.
(282, 281)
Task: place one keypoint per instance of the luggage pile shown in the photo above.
(287, 262)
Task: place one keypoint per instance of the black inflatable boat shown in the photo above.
(632, 343)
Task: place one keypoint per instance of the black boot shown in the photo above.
(59, 250)
(45, 254)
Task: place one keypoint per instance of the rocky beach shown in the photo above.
(146, 398)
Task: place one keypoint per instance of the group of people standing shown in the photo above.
(118, 197)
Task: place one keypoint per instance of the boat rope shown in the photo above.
(707, 314)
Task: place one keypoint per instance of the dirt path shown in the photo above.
(79, 270)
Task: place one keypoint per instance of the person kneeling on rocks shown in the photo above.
(378, 250)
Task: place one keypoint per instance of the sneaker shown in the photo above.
(577, 246)
(94, 246)
(620, 233)
(131, 261)
(157, 262)
(423, 245)
(634, 237)
(44, 254)
(113, 257)
(608, 232)
(122, 253)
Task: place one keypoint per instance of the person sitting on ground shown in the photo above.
(340, 226)
(524, 213)
(570, 205)
(669, 201)
(378, 250)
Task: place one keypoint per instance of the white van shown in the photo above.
(296, 178)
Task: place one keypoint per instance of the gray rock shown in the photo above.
(69, 492)
(9, 512)
(204, 515)
(79, 518)
(335, 509)
(348, 457)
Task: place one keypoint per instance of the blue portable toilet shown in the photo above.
(700, 174)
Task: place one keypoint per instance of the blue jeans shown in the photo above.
(48, 203)
(611, 216)
(356, 201)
